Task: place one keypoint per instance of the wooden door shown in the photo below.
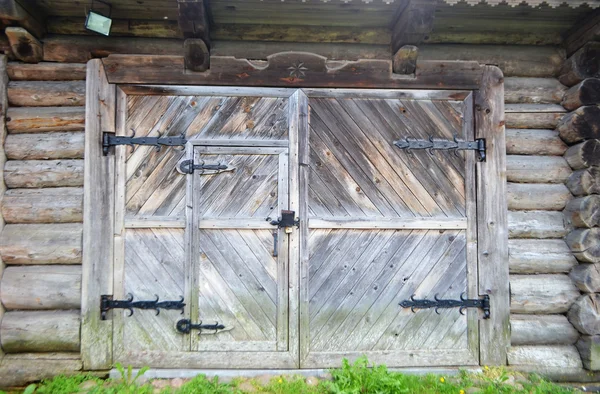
(384, 224)
(206, 237)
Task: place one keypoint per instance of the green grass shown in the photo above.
(356, 378)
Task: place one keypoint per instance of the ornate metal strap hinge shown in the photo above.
(188, 167)
(185, 326)
(110, 139)
(437, 303)
(107, 303)
(433, 144)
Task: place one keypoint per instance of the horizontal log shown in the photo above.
(589, 349)
(43, 173)
(41, 243)
(586, 92)
(558, 374)
(543, 294)
(119, 27)
(49, 205)
(583, 155)
(565, 357)
(585, 244)
(584, 211)
(24, 46)
(585, 314)
(532, 120)
(581, 65)
(537, 169)
(541, 330)
(41, 287)
(586, 277)
(581, 124)
(539, 256)
(533, 90)
(513, 60)
(46, 93)
(536, 224)
(54, 331)
(46, 71)
(534, 108)
(528, 196)
(21, 369)
(44, 146)
(585, 182)
(534, 142)
(37, 119)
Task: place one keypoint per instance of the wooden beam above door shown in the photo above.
(414, 20)
(195, 27)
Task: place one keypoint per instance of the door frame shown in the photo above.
(108, 78)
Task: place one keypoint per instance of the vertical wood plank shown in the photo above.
(283, 254)
(98, 205)
(492, 217)
(3, 105)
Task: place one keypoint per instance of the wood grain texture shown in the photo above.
(533, 90)
(537, 169)
(527, 196)
(43, 173)
(46, 71)
(581, 65)
(536, 224)
(534, 142)
(540, 357)
(44, 146)
(584, 182)
(542, 330)
(583, 155)
(581, 124)
(587, 277)
(584, 244)
(24, 45)
(586, 92)
(540, 256)
(41, 244)
(542, 294)
(41, 287)
(37, 119)
(533, 120)
(589, 349)
(584, 211)
(52, 331)
(49, 205)
(46, 93)
(17, 370)
(585, 314)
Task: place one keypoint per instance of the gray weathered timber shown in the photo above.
(534, 142)
(96, 335)
(584, 244)
(542, 330)
(518, 90)
(3, 107)
(44, 287)
(38, 119)
(581, 65)
(589, 349)
(543, 294)
(584, 211)
(533, 120)
(46, 71)
(539, 256)
(581, 124)
(36, 331)
(43, 173)
(41, 243)
(405, 60)
(586, 92)
(587, 277)
(584, 182)
(48, 205)
(583, 155)
(46, 93)
(413, 23)
(527, 196)
(26, 17)
(24, 45)
(20, 369)
(44, 146)
(584, 314)
(584, 31)
(537, 169)
(536, 224)
(540, 357)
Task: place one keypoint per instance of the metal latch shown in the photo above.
(432, 144)
(437, 303)
(188, 167)
(185, 326)
(286, 221)
(107, 303)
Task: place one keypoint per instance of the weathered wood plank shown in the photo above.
(584, 211)
(536, 224)
(534, 108)
(21, 369)
(55, 331)
(3, 107)
(537, 169)
(539, 256)
(37, 287)
(586, 92)
(34, 120)
(491, 217)
(533, 120)
(581, 124)
(581, 65)
(587, 277)
(582, 32)
(24, 45)
(544, 294)
(46, 93)
(527, 196)
(542, 330)
(585, 182)
(68, 25)
(46, 72)
(585, 314)
(41, 244)
(583, 155)
(44, 146)
(518, 90)
(585, 244)
(589, 349)
(534, 142)
(389, 223)
(48, 205)
(29, 18)
(565, 357)
(43, 173)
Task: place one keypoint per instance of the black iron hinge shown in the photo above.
(110, 139)
(437, 303)
(433, 144)
(107, 303)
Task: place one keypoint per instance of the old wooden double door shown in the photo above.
(376, 224)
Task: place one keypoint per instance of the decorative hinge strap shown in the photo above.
(433, 144)
(107, 303)
(437, 303)
(110, 139)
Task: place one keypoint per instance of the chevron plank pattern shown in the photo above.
(153, 186)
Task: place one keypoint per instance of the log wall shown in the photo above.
(42, 206)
